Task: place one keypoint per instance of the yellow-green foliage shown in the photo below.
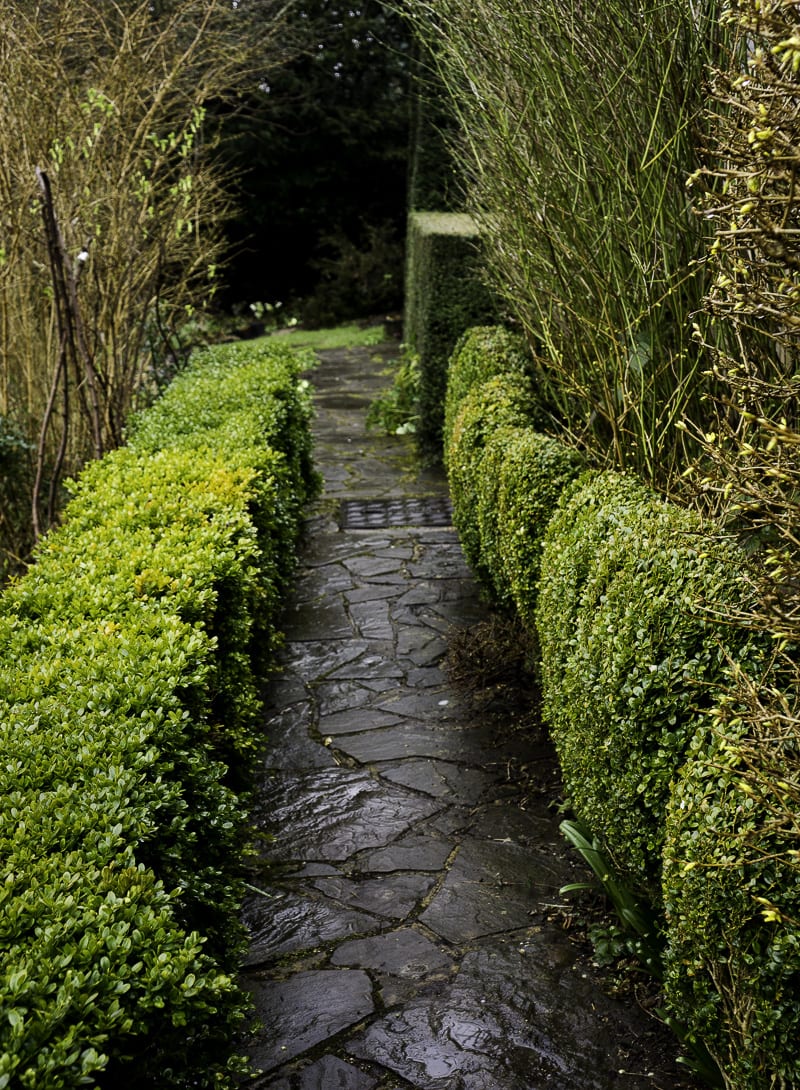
(483, 352)
(504, 401)
(632, 653)
(505, 478)
(525, 475)
(733, 904)
(128, 698)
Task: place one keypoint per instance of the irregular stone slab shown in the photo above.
(458, 611)
(326, 617)
(399, 547)
(295, 718)
(549, 1005)
(455, 590)
(401, 953)
(301, 1012)
(371, 620)
(373, 593)
(376, 659)
(336, 546)
(359, 719)
(371, 567)
(442, 779)
(421, 705)
(434, 1049)
(424, 677)
(332, 814)
(430, 617)
(417, 643)
(317, 581)
(288, 745)
(445, 562)
(287, 922)
(317, 658)
(314, 870)
(491, 888)
(423, 592)
(329, 1073)
(339, 696)
(288, 688)
(418, 650)
(438, 535)
(454, 821)
(410, 739)
(400, 742)
(515, 1021)
(419, 852)
(393, 896)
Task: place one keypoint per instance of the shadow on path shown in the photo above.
(411, 937)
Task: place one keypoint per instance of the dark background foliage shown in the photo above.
(322, 152)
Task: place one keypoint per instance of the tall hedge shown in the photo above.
(128, 706)
(445, 295)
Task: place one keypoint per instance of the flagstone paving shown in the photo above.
(410, 932)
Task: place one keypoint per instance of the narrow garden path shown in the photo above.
(411, 933)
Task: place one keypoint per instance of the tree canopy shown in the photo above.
(322, 149)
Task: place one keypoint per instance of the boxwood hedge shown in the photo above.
(128, 697)
(732, 903)
(632, 655)
(629, 594)
(524, 476)
(504, 401)
(482, 353)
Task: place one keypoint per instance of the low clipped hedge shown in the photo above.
(732, 902)
(128, 699)
(525, 476)
(481, 353)
(629, 595)
(633, 655)
(505, 477)
(504, 401)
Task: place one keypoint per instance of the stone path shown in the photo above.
(411, 931)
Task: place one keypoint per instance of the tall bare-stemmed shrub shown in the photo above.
(110, 204)
(579, 126)
(750, 471)
(735, 911)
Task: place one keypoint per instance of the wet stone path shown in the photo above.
(406, 936)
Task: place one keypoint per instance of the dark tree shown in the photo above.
(322, 150)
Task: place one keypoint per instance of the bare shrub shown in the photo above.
(579, 125)
(110, 208)
(749, 474)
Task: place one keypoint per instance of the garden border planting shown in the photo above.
(129, 694)
(631, 598)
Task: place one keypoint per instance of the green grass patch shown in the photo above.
(343, 336)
